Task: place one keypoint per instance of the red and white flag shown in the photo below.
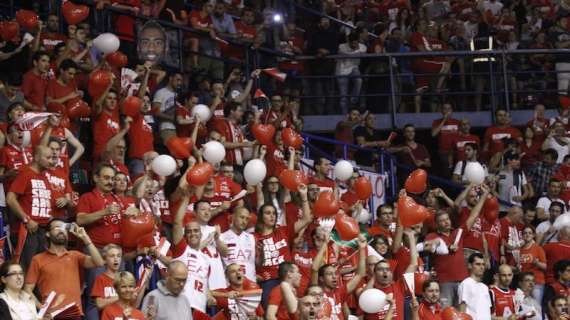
(31, 120)
(275, 73)
(259, 94)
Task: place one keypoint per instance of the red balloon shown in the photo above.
(74, 13)
(347, 227)
(200, 174)
(99, 81)
(491, 209)
(117, 59)
(9, 30)
(291, 179)
(179, 147)
(326, 205)
(133, 228)
(363, 188)
(263, 133)
(464, 316)
(419, 279)
(56, 108)
(27, 19)
(449, 313)
(78, 109)
(416, 181)
(410, 212)
(291, 138)
(132, 106)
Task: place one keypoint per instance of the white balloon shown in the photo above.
(372, 300)
(214, 152)
(107, 43)
(202, 111)
(474, 172)
(362, 216)
(254, 171)
(163, 165)
(562, 221)
(343, 170)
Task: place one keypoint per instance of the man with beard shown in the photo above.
(430, 308)
(240, 243)
(51, 36)
(151, 43)
(30, 200)
(34, 85)
(228, 299)
(59, 269)
(503, 297)
(166, 302)
(186, 239)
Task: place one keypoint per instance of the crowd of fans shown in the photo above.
(230, 250)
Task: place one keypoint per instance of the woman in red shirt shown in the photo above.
(530, 149)
(125, 286)
(533, 259)
(272, 249)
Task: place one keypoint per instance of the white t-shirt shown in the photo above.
(561, 149)
(217, 279)
(545, 202)
(476, 296)
(241, 251)
(167, 100)
(198, 273)
(543, 227)
(459, 167)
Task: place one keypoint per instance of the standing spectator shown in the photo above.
(59, 183)
(106, 124)
(125, 286)
(344, 131)
(558, 141)
(539, 123)
(411, 153)
(530, 149)
(321, 178)
(533, 259)
(30, 199)
(471, 154)
(530, 306)
(323, 42)
(541, 173)
(223, 22)
(367, 136)
(233, 137)
(15, 303)
(460, 140)
(13, 157)
(384, 224)
(207, 45)
(290, 279)
(35, 82)
(167, 301)
(241, 244)
(347, 69)
(557, 251)
(545, 232)
(494, 135)
(431, 306)
(10, 92)
(59, 269)
(51, 37)
(511, 235)
(164, 106)
(103, 292)
(445, 129)
(512, 183)
(473, 294)
(63, 89)
(436, 10)
(502, 295)
(125, 24)
(237, 284)
(552, 194)
(559, 285)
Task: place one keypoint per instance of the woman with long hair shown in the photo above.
(273, 193)
(15, 303)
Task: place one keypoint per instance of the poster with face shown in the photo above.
(152, 42)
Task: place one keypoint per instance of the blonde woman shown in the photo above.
(125, 307)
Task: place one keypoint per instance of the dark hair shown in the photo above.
(381, 261)
(427, 283)
(566, 157)
(56, 140)
(102, 166)
(473, 256)
(52, 220)
(67, 64)
(230, 107)
(11, 108)
(522, 275)
(560, 267)
(510, 155)
(39, 54)
(558, 204)
(499, 110)
(558, 297)
(58, 47)
(472, 145)
(353, 37)
(259, 222)
(12, 79)
(321, 272)
(284, 269)
(379, 209)
(152, 24)
(552, 153)
(4, 268)
(408, 125)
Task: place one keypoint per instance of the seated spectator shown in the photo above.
(558, 308)
(552, 194)
(513, 186)
(15, 303)
(471, 154)
(530, 149)
(473, 294)
(35, 81)
(555, 252)
(164, 106)
(558, 141)
(445, 129)
(344, 131)
(347, 70)
(542, 172)
(51, 37)
(494, 135)
(223, 22)
(367, 136)
(460, 140)
(411, 153)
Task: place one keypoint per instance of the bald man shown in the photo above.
(167, 301)
(503, 297)
(29, 200)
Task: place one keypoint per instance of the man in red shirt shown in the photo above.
(63, 89)
(445, 129)
(106, 124)
(278, 308)
(321, 179)
(512, 226)
(13, 157)
(35, 81)
(460, 139)
(560, 286)
(384, 223)
(228, 299)
(233, 138)
(51, 37)
(557, 251)
(30, 199)
(494, 135)
(430, 308)
(58, 179)
(502, 296)
(411, 153)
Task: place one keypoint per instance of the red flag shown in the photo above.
(275, 73)
(259, 94)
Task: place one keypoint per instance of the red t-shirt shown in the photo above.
(224, 189)
(458, 142)
(106, 126)
(12, 157)
(50, 40)
(140, 138)
(446, 133)
(336, 299)
(106, 230)
(34, 88)
(60, 185)
(183, 130)
(56, 90)
(555, 251)
(473, 238)
(503, 301)
(199, 21)
(417, 39)
(276, 299)
(449, 267)
(59, 133)
(322, 183)
(398, 292)
(275, 250)
(246, 31)
(232, 133)
(527, 261)
(275, 160)
(494, 135)
(103, 287)
(34, 194)
(125, 25)
(404, 257)
(115, 311)
(428, 311)
(304, 260)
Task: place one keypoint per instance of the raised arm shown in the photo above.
(361, 270)
(178, 226)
